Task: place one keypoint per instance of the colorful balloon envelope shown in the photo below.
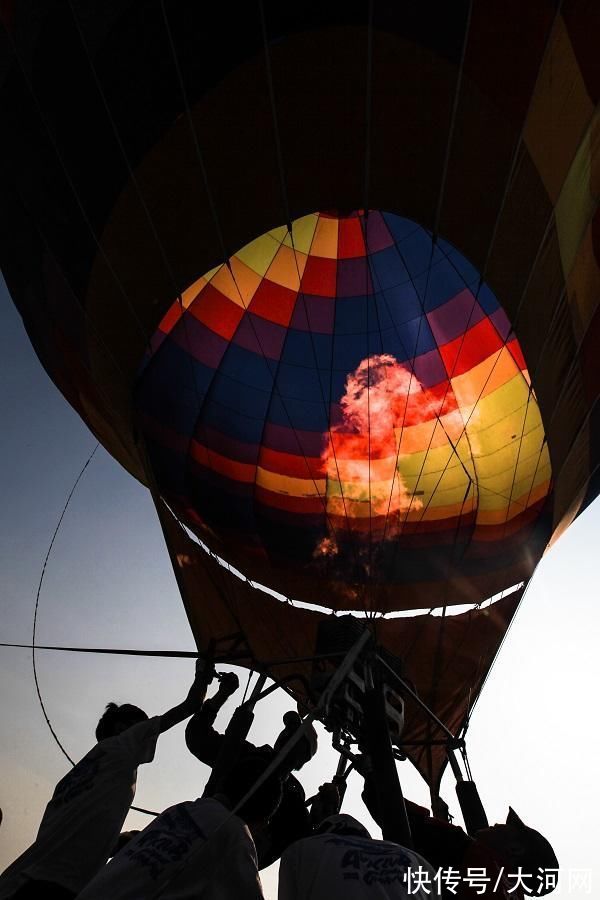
(329, 285)
(347, 402)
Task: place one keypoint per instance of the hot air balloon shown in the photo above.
(327, 282)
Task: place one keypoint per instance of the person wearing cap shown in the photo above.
(342, 860)
(291, 821)
(522, 858)
(515, 861)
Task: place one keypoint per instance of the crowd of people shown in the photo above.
(253, 812)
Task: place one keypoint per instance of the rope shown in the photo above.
(250, 674)
(33, 646)
(37, 604)
(495, 659)
(115, 651)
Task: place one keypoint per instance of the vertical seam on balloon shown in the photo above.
(272, 101)
(453, 115)
(326, 406)
(516, 466)
(275, 375)
(275, 389)
(366, 203)
(375, 277)
(370, 556)
(435, 676)
(77, 197)
(535, 471)
(214, 213)
(454, 556)
(368, 107)
(282, 178)
(412, 371)
(322, 498)
(370, 282)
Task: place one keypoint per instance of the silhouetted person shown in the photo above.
(343, 862)
(505, 851)
(197, 850)
(81, 825)
(291, 821)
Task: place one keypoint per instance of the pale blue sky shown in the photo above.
(534, 740)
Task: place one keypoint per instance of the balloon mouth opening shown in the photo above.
(348, 398)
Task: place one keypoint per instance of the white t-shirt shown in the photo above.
(195, 849)
(83, 820)
(343, 867)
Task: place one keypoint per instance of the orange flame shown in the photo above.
(365, 489)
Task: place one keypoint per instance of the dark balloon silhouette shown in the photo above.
(331, 289)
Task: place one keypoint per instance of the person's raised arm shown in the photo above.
(202, 740)
(228, 685)
(195, 696)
